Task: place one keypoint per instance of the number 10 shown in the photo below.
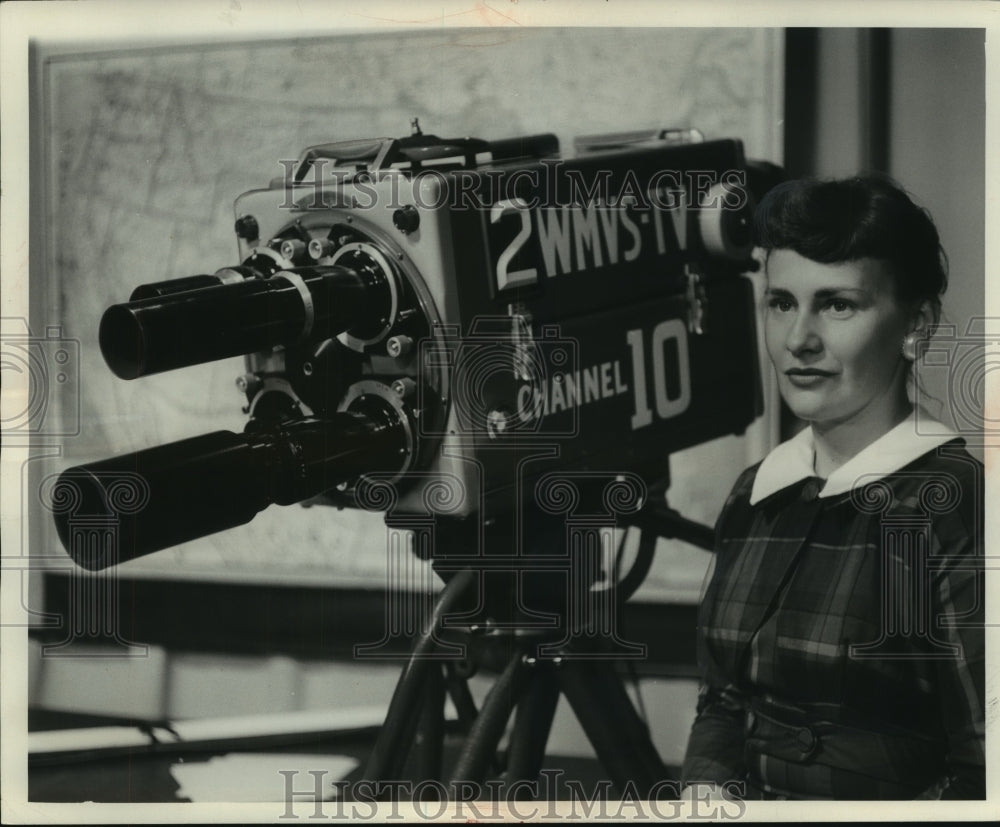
(665, 406)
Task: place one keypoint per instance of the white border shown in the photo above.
(84, 24)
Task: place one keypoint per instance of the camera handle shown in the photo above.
(414, 726)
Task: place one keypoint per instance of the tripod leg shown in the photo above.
(458, 691)
(465, 705)
(481, 744)
(429, 742)
(389, 752)
(532, 725)
(605, 711)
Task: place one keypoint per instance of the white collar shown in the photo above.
(792, 461)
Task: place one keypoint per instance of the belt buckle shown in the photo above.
(807, 741)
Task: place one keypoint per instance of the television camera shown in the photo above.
(486, 335)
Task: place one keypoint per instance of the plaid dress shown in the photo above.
(841, 637)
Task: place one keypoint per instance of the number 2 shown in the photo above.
(527, 275)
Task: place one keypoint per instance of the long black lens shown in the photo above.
(174, 493)
(227, 275)
(164, 332)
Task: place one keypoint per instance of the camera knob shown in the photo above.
(248, 383)
(406, 219)
(404, 388)
(398, 346)
(247, 228)
(293, 249)
(320, 248)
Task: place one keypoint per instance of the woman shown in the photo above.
(841, 635)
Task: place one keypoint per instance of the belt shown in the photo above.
(792, 735)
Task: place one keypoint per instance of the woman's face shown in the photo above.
(834, 333)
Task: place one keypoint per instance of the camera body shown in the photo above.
(579, 315)
(438, 326)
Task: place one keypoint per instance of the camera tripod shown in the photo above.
(535, 665)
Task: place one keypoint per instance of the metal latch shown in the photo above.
(697, 300)
(523, 342)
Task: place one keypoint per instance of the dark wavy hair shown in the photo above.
(862, 217)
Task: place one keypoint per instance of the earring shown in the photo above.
(910, 347)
